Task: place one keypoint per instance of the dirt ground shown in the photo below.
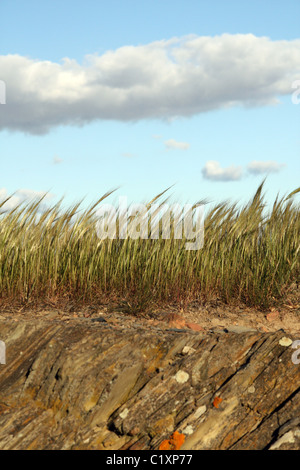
(213, 315)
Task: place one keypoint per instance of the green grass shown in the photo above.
(250, 255)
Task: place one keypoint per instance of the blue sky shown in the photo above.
(142, 95)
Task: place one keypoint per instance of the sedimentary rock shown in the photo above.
(94, 385)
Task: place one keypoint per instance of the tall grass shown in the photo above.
(250, 255)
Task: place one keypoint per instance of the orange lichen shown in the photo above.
(165, 445)
(217, 401)
(174, 443)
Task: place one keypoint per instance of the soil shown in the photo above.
(213, 315)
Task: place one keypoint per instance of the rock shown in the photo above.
(274, 315)
(93, 385)
(194, 326)
(287, 441)
(176, 321)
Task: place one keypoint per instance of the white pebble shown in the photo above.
(124, 413)
(182, 377)
(285, 341)
(187, 350)
(188, 430)
(200, 411)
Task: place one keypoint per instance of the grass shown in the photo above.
(250, 255)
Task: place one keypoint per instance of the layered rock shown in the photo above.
(94, 385)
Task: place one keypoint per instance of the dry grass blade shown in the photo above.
(249, 254)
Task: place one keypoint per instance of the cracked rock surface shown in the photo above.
(95, 385)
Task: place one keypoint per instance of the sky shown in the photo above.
(202, 97)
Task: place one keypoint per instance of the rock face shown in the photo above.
(93, 385)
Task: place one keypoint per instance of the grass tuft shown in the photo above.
(249, 255)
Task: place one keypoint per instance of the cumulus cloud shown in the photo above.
(166, 79)
(260, 167)
(173, 144)
(213, 171)
(22, 196)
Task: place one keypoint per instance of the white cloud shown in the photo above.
(23, 196)
(162, 80)
(260, 167)
(213, 171)
(173, 144)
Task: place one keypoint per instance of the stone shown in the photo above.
(194, 326)
(86, 386)
(274, 315)
(176, 321)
